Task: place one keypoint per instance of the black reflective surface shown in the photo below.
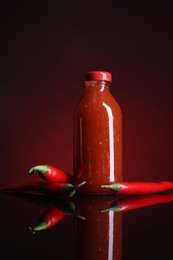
(86, 227)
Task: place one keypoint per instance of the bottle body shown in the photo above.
(97, 139)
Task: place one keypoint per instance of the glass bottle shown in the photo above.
(97, 136)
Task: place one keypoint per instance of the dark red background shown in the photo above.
(47, 46)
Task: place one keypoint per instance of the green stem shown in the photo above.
(115, 187)
(41, 226)
(79, 185)
(71, 189)
(70, 209)
(114, 207)
(41, 169)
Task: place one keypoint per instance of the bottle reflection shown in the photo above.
(100, 235)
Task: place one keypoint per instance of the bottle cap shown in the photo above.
(98, 75)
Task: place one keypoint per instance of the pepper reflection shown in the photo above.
(56, 209)
(100, 235)
(48, 219)
(54, 214)
(140, 201)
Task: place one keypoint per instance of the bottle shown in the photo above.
(97, 135)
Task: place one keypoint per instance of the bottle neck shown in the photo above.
(97, 85)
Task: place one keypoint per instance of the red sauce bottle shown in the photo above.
(97, 135)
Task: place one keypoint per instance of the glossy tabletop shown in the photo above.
(136, 227)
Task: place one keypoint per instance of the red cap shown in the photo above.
(98, 75)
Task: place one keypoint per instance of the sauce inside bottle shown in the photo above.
(97, 135)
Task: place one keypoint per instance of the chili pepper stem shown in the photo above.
(41, 226)
(105, 210)
(111, 209)
(114, 207)
(71, 189)
(32, 229)
(115, 187)
(80, 216)
(79, 185)
(42, 169)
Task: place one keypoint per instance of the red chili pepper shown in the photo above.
(54, 189)
(137, 202)
(131, 188)
(47, 219)
(50, 173)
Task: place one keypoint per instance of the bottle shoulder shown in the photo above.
(98, 105)
(95, 100)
